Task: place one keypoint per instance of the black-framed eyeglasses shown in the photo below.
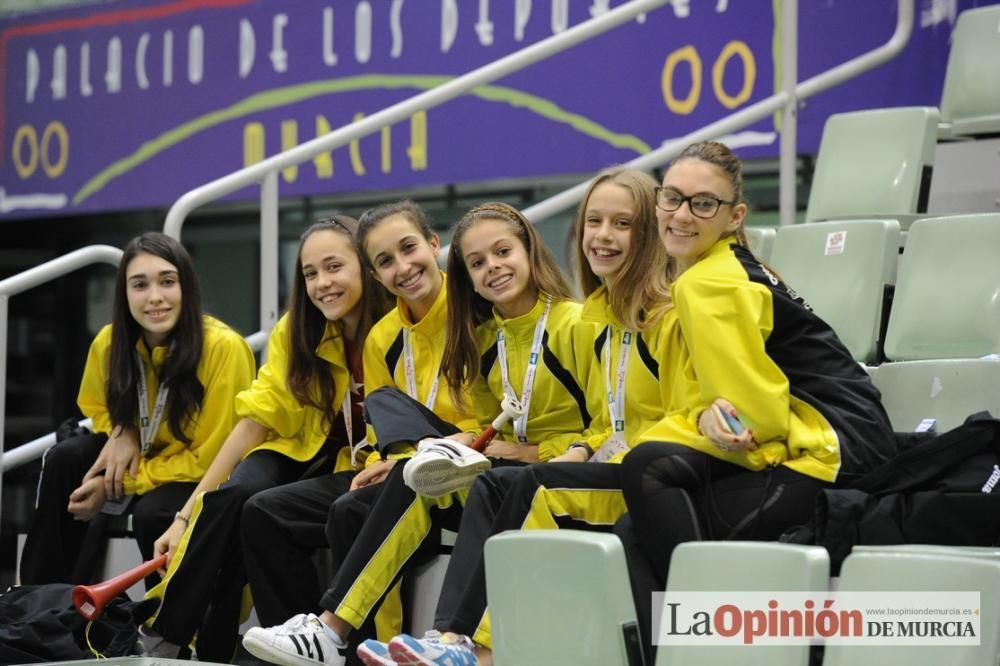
(704, 206)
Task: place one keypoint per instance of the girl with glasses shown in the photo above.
(764, 405)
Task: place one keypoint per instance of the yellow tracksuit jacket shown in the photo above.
(743, 335)
(558, 413)
(385, 365)
(226, 368)
(296, 430)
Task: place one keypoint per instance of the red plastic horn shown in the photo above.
(511, 408)
(90, 600)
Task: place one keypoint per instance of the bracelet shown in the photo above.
(589, 452)
(181, 517)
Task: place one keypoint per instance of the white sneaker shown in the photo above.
(301, 641)
(375, 653)
(442, 466)
(434, 649)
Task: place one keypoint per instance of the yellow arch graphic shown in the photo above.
(289, 95)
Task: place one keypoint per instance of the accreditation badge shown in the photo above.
(610, 448)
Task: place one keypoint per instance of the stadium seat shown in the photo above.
(761, 240)
(874, 164)
(988, 552)
(946, 303)
(970, 103)
(723, 566)
(560, 597)
(895, 570)
(841, 269)
(946, 390)
(944, 327)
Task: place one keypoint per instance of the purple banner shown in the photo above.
(130, 104)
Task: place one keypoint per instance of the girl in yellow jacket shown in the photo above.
(511, 323)
(159, 385)
(303, 408)
(764, 406)
(623, 272)
(283, 526)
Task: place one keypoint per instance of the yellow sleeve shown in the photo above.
(268, 400)
(400, 452)
(590, 374)
(726, 324)
(92, 399)
(569, 341)
(467, 423)
(557, 445)
(226, 368)
(485, 405)
(376, 372)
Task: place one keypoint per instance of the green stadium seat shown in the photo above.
(946, 390)
(970, 103)
(901, 571)
(946, 303)
(761, 240)
(725, 566)
(944, 327)
(988, 552)
(873, 164)
(841, 269)
(560, 597)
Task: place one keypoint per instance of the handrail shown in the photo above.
(30, 451)
(28, 279)
(268, 169)
(751, 114)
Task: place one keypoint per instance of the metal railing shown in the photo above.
(93, 254)
(266, 172)
(787, 101)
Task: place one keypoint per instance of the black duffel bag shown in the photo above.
(38, 623)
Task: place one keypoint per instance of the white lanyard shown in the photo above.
(411, 373)
(616, 398)
(348, 413)
(147, 425)
(521, 422)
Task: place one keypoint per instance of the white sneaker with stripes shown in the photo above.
(301, 641)
(443, 466)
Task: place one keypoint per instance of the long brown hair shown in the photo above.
(641, 289)
(307, 325)
(185, 342)
(467, 309)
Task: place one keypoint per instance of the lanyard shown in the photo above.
(147, 425)
(521, 422)
(616, 397)
(411, 373)
(348, 413)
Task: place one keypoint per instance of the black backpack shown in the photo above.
(38, 623)
(939, 489)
